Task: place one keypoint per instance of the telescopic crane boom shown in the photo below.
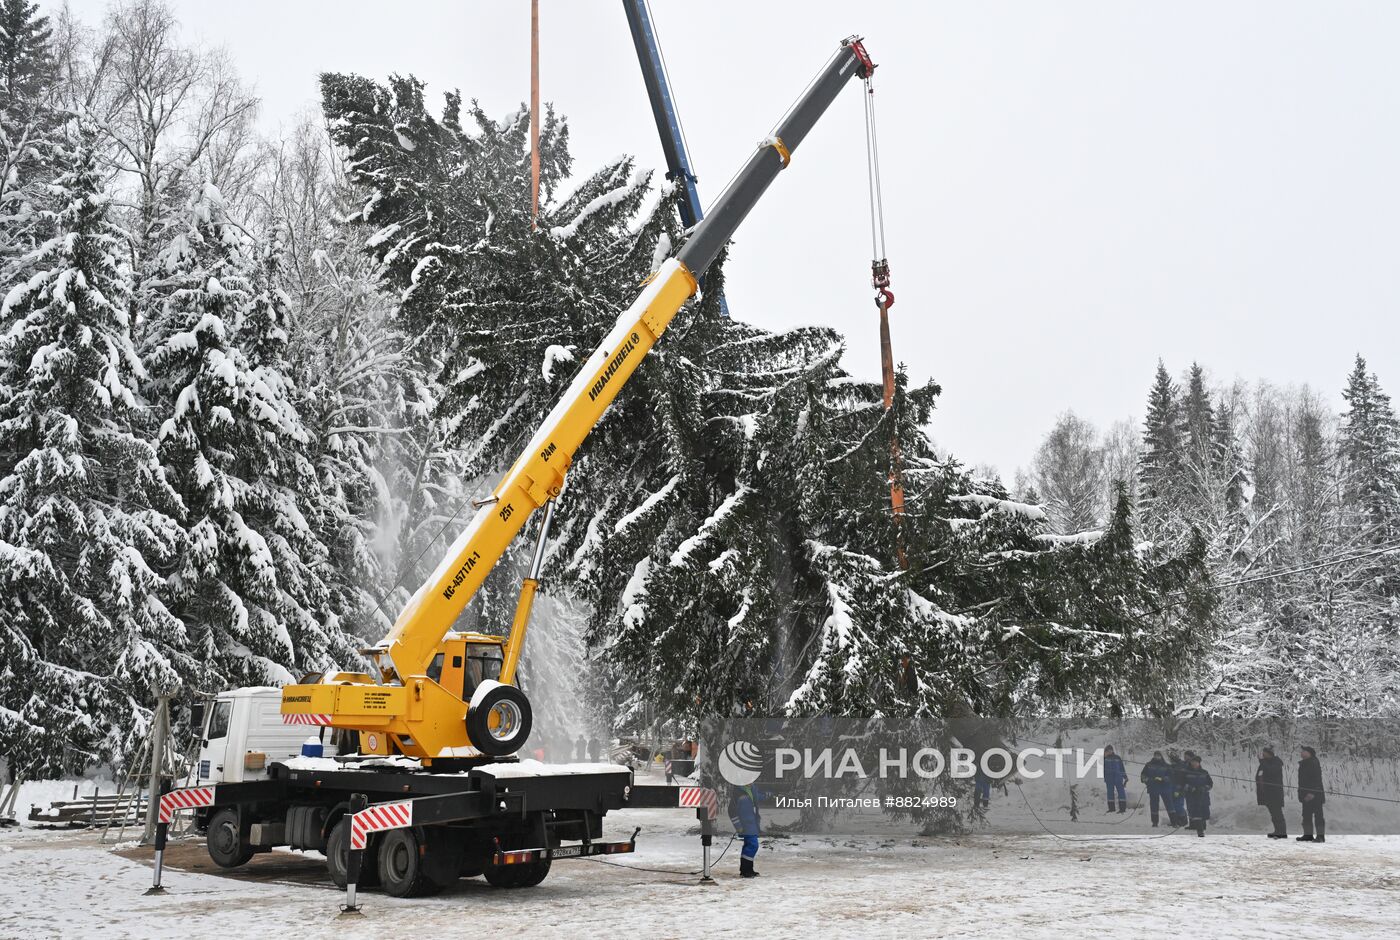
(436, 696)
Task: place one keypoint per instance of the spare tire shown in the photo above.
(499, 719)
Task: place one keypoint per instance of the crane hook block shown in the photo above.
(880, 273)
(885, 298)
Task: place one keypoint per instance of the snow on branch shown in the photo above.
(610, 198)
(1078, 538)
(1008, 506)
(647, 504)
(682, 554)
(553, 355)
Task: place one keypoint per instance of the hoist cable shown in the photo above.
(873, 181)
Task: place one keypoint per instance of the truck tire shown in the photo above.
(227, 842)
(503, 876)
(517, 876)
(499, 724)
(404, 865)
(338, 857)
(535, 873)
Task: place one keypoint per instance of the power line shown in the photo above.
(1326, 562)
(1354, 796)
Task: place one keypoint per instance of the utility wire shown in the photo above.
(1326, 562)
(1354, 796)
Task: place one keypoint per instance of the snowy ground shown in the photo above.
(65, 884)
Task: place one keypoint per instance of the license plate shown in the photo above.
(567, 851)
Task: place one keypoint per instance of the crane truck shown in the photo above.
(429, 789)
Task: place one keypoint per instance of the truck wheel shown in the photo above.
(503, 876)
(535, 873)
(227, 846)
(517, 876)
(403, 865)
(499, 723)
(338, 857)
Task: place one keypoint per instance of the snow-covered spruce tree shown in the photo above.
(728, 521)
(445, 217)
(1162, 472)
(344, 353)
(250, 584)
(1370, 451)
(490, 318)
(26, 64)
(87, 523)
(1369, 445)
(328, 492)
(29, 126)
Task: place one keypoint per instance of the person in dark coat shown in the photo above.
(1312, 795)
(1115, 778)
(1178, 795)
(982, 792)
(1156, 777)
(1268, 791)
(743, 813)
(1196, 784)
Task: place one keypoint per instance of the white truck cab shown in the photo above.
(244, 733)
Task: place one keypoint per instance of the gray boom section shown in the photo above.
(712, 234)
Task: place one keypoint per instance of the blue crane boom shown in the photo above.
(663, 109)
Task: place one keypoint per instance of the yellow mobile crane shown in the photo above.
(443, 694)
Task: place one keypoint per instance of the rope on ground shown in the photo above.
(1161, 835)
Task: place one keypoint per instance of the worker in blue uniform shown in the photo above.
(743, 813)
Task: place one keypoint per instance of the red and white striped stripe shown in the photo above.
(379, 818)
(297, 718)
(698, 797)
(186, 798)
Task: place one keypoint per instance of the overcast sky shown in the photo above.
(1073, 188)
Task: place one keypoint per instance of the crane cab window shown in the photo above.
(435, 668)
(219, 719)
(483, 662)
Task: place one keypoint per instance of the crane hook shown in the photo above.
(880, 280)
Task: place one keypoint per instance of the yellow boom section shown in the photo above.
(538, 473)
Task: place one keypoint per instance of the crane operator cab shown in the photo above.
(469, 667)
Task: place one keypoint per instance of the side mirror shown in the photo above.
(197, 715)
